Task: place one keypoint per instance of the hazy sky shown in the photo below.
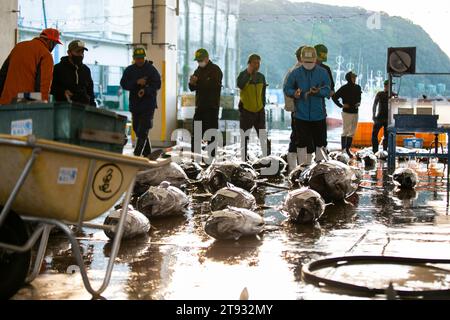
(432, 15)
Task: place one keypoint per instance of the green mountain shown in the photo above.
(275, 29)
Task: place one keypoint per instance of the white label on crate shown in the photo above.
(22, 128)
(67, 175)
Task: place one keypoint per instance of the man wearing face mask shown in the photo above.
(290, 107)
(29, 67)
(207, 84)
(143, 81)
(72, 79)
(309, 85)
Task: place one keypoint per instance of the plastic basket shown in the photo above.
(413, 143)
(67, 123)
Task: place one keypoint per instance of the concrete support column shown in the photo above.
(8, 27)
(155, 27)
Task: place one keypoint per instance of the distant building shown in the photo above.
(105, 26)
(209, 24)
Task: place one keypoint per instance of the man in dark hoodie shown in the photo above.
(351, 97)
(72, 79)
(322, 56)
(207, 84)
(143, 81)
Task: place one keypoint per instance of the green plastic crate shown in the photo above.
(66, 123)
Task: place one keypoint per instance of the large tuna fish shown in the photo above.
(333, 180)
(232, 196)
(339, 156)
(136, 223)
(295, 174)
(171, 173)
(163, 201)
(233, 223)
(192, 169)
(220, 174)
(270, 166)
(303, 206)
(405, 178)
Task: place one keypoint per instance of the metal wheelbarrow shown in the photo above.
(57, 185)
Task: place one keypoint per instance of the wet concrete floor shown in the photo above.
(178, 260)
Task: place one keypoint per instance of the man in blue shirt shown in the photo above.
(143, 81)
(309, 85)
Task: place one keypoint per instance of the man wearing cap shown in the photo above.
(380, 117)
(207, 84)
(253, 86)
(322, 56)
(309, 85)
(289, 106)
(29, 67)
(143, 81)
(350, 94)
(72, 80)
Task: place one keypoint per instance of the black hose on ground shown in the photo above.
(309, 276)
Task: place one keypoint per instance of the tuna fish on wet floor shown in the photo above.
(234, 223)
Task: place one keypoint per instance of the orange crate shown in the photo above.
(363, 136)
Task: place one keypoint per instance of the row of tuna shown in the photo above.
(157, 193)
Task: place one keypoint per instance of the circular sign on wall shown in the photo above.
(107, 181)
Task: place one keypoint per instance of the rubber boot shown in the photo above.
(147, 149)
(245, 150)
(140, 144)
(343, 143)
(302, 156)
(309, 159)
(321, 154)
(292, 161)
(349, 145)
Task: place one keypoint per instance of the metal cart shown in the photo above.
(57, 185)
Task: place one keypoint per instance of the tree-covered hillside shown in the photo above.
(275, 29)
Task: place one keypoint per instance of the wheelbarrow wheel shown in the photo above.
(14, 266)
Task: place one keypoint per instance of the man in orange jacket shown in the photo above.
(29, 67)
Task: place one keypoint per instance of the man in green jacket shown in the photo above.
(253, 85)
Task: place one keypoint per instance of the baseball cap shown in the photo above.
(139, 53)
(322, 52)
(309, 55)
(201, 54)
(51, 34)
(77, 44)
